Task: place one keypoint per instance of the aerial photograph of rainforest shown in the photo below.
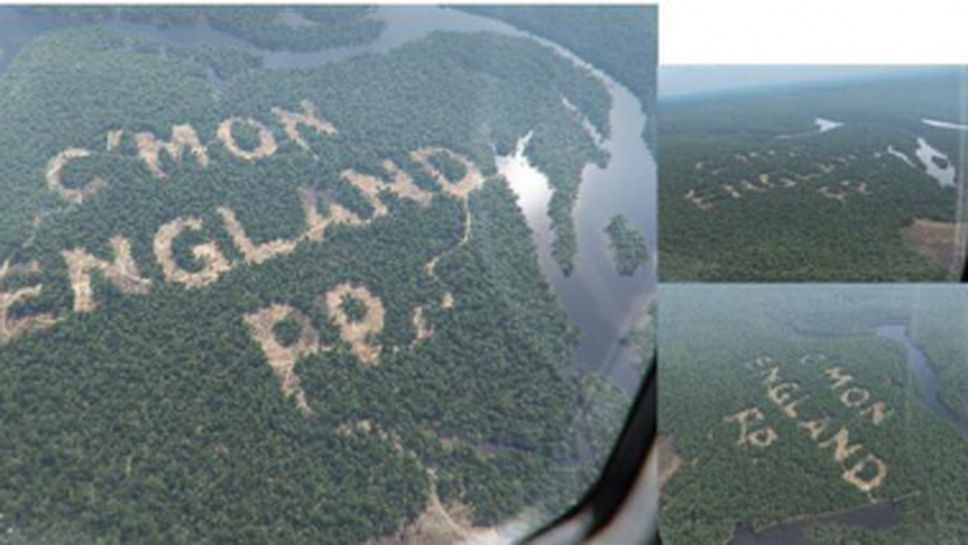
(329, 275)
(813, 414)
(812, 173)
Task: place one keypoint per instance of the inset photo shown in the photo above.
(808, 414)
(812, 173)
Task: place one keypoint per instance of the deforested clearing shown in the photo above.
(357, 333)
(460, 188)
(668, 459)
(267, 143)
(291, 121)
(214, 262)
(254, 253)
(55, 177)
(423, 330)
(122, 272)
(441, 525)
(282, 359)
(937, 240)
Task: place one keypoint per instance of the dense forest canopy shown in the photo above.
(812, 182)
(292, 306)
(628, 246)
(783, 401)
(293, 28)
(619, 40)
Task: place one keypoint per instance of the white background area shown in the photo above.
(813, 32)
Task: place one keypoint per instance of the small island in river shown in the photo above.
(628, 247)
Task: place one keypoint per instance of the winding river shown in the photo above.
(603, 305)
(927, 378)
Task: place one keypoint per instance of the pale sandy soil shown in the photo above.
(182, 137)
(253, 253)
(842, 447)
(431, 265)
(214, 263)
(441, 525)
(403, 185)
(291, 120)
(267, 143)
(113, 140)
(357, 334)
(282, 359)
(371, 186)
(669, 460)
(400, 184)
(447, 302)
(423, 329)
(831, 194)
(747, 185)
(122, 272)
(461, 189)
(55, 175)
(762, 437)
(811, 176)
(852, 475)
(316, 223)
(11, 328)
(437, 524)
(697, 200)
(937, 241)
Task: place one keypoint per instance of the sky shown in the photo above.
(681, 80)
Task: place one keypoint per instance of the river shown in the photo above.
(877, 517)
(927, 378)
(603, 305)
(929, 157)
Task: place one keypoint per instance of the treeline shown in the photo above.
(296, 28)
(225, 62)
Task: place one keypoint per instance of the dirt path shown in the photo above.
(440, 525)
(468, 220)
(669, 460)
